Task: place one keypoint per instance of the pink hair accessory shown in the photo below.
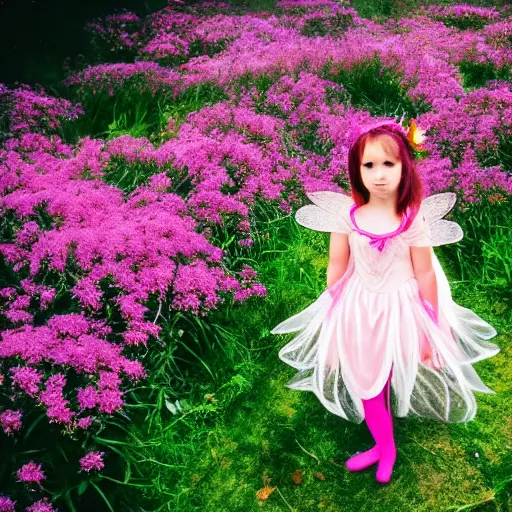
(414, 134)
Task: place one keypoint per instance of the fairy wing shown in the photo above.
(440, 231)
(328, 213)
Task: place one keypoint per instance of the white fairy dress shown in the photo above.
(372, 320)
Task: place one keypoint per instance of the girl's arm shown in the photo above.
(421, 258)
(339, 252)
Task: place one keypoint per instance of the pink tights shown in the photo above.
(377, 412)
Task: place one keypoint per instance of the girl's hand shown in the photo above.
(429, 355)
(432, 362)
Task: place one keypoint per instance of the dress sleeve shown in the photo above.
(417, 235)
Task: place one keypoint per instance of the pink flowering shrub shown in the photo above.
(10, 421)
(481, 120)
(111, 78)
(31, 111)
(116, 37)
(6, 504)
(122, 254)
(178, 36)
(499, 34)
(76, 244)
(463, 16)
(317, 18)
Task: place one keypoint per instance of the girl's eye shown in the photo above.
(370, 164)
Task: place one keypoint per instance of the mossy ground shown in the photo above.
(277, 449)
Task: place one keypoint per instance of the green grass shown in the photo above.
(253, 433)
(254, 5)
(273, 431)
(382, 9)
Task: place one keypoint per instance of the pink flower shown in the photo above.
(53, 397)
(84, 423)
(88, 397)
(6, 504)
(31, 472)
(28, 379)
(93, 460)
(110, 400)
(160, 181)
(109, 380)
(10, 421)
(41, 506)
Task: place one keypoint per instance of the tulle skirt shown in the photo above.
(351, 338)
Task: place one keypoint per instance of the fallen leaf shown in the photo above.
(264, 493)
(297, 477)
(320, 476)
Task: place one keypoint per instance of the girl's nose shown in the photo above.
(380, 172)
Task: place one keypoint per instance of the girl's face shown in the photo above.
(381, 168)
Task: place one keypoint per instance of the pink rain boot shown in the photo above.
(379, 420)
(363, 460)
(380, 423)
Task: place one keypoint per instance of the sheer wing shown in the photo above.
(434, 208)
(327, 213)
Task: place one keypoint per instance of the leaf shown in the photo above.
(69, 501)
(33, 425)
(100, 492)
(128, 472)
(297, 477)
(83, 487)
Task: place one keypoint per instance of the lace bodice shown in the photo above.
(385, 270)
(382, 267)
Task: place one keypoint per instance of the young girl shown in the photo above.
(386, 320)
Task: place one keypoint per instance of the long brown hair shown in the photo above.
(410, 189)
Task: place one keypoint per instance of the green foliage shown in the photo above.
(484, 255)
(137, 112)
(58, 452)
(5, 108)
(332, 25)
(376, 88)
(122, 126)
(128, 175)
(254, 5)
(477, 74)
(384, 9)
